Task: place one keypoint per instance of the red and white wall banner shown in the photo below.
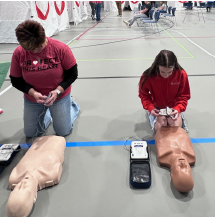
(176, 4)
(78, 11)
(11, 15)
(134, 4)
(51, 14)
(40, 14)
(59, 12)
(111, 5)
(77, 3)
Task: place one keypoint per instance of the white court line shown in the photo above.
(6, 89)
(73, 39)
(195, 43)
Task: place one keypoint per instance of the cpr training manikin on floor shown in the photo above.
(41, 167)
(175, 151)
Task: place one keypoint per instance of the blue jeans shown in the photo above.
(98, 11)
(160, 12)
(37, 117)
(153, 120)
(135, 17)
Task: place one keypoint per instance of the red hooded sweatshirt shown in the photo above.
(159, 92)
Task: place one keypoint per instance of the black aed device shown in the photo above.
(140, 171)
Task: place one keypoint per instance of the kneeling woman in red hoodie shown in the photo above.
(165, 84)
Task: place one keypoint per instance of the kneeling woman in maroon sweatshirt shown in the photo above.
(165, 84)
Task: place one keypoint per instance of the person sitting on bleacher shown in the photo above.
(162, 8)
(143, 13)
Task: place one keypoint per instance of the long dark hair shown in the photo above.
(165, 58)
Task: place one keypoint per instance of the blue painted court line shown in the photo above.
(121, 143)
(203, 140)
(102, 143)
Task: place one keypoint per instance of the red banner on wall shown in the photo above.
(77, 4)
(40, 14)
(59, 12)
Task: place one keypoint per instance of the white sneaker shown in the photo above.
(126, 22)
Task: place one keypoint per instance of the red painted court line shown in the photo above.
(141, 38)
(89, 29)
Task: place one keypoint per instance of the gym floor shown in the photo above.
(111, 58)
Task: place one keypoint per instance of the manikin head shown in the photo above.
(181, 174)
(22, 198)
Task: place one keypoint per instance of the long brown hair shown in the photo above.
(30, 34)
(165, 58)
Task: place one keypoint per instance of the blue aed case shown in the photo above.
(140, 171)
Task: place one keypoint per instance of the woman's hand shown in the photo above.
(51, 100)
(174, 115)
(155, 112)
(37, 96)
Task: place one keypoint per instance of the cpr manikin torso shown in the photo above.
(40, 167)
(175, 151)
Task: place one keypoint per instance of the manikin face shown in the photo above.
(22, 198)
(26, 184)
(181, 174)
(165, 72)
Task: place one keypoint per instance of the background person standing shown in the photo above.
(98, 5)
(93, 7)
(119, 6)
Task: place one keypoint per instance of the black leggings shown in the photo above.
(93, 7)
